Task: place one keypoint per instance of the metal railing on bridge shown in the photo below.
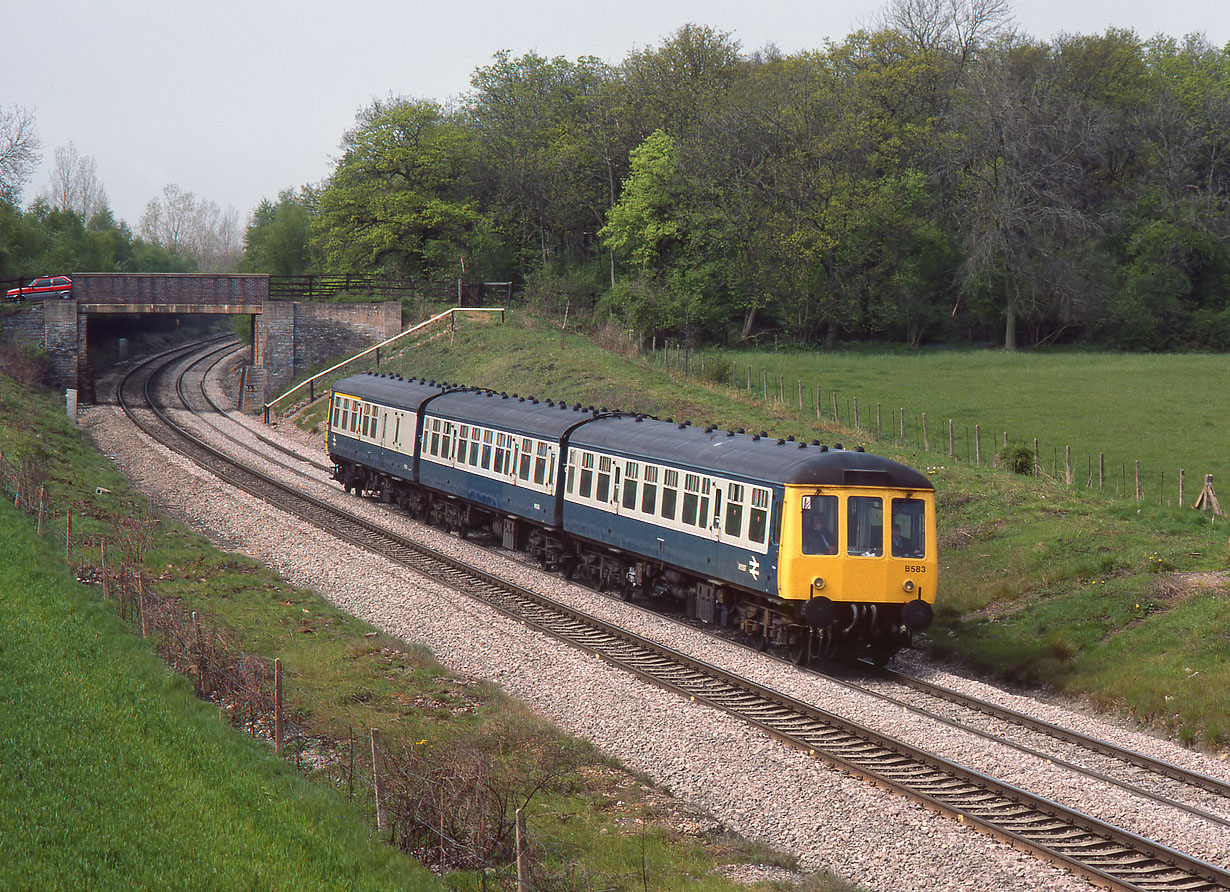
(310, 383)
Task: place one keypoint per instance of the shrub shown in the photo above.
(1018, 458)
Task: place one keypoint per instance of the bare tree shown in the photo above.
(196, 230)
(74, 184)
(19, 151)
(954, 27)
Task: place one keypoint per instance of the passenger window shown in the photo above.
(485, 464)
(345, 416)
(527, 459)
(670, 493)
(909, 528)
(691, 498)
(501, 453)
(631, 472)
(649, 494)
(540, 464)
(603, 492)
(865, 526)
(758, 519)
(586, 485)
(734, 510)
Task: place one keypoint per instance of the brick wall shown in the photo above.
(293, 337)
(184, 289)
(60, 337)
(25, 326)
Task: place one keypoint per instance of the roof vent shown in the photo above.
(730, 433)
(815, 442)
(755, 436)
(837, 446)
(781, 442)
(860, 449)
(640, 418)
(790, 439)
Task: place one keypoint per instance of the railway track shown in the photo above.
(1108, 856)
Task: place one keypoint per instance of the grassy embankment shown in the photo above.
(1042, 583)
(113, 776)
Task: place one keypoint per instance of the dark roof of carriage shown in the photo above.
(749, 456)
(707, 449)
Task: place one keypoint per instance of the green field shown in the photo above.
(1166, 411)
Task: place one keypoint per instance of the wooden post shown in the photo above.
(106, 583)
(1005, 439)
(1101, 471)
(879, 422)
(377, 780)
(523, 879)
(1139, 494)
(836, 414)
(978, 445)
(1182, 475)
(903, 427)
(734, 373)
(1208, 498)
(1067, 465)
(952, 448)
(800, 394)
(781, 389)
(1037, 463)
(277, 705)
(819, 401)
(42, 507)
(1161, 489)
(68, 535)
(926, 436)
(856, 424)
(764, 386)
(141, 606)
(202, 688)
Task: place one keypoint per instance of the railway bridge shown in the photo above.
(288, 336)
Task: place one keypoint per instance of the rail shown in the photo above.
(310, 383)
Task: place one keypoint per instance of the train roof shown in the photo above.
(749, 456)
(719, 452)
(390, 390)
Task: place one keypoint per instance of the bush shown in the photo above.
(1018, 458)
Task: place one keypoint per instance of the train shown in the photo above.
(821, 551)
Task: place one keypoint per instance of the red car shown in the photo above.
(61, 285)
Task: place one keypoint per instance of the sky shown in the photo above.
(236, 100)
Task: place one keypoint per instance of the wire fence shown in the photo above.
(943, 437)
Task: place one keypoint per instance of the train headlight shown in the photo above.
(817, 583)
(908, 585)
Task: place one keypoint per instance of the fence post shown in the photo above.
(978, 445)
(42, 507)
(800, 394)
(141, 605)
(68, 535)
(523, 879)
(903, 426)
(856, 424)
(1101, 472)
(819, 394)
(1139, 494)
(952, 449)
(377, 780)
(1067, 465)
(926, 436)
(879, 422)
(1037, 463)
(277, 705)
(1182, 474)
(836, 414)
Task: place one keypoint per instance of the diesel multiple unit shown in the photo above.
(822, 550)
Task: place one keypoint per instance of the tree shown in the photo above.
(400, 198)
(19, 151)
(278, 236)
(197, 231)
(74, 183)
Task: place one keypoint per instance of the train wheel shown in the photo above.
(800, 648)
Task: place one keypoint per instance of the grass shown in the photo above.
(1164, 410)
(1042, 583)
(113, 776)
